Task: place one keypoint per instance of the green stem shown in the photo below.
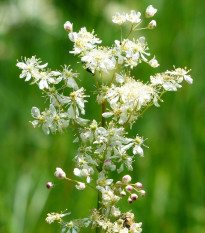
(103, 110)
(75, 124)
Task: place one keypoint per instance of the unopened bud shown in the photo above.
(134, 196)
(119, 183)
(68, 26)
(150, 11)
(123, 193)
(60, 173)
(80, 186)
(129, 200)
(126, 179)
(142, 192)
(129, 188)
(153, 63)
(49, 185)
(152, 24)
(138, 185)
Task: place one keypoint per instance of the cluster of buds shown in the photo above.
(126, 187)
(60, 174)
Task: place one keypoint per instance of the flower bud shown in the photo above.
(129, 200)
(60, 173)
(49, 185)
(153, 63)
(80, 186)
(68, 26)
(152, 24)
(150, 11)
(138, 185)
(142, 192)
(126, 179)
(188, 79)
(123, 193)
(134, 196)
(129, 188)
(119, 183)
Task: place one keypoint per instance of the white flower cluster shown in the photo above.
(63, 110)
(128, 99)
(83, 41)
(104, 147)
(134, 52)
(132, 17)
(171, 80)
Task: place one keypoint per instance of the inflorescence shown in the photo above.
(104, 146)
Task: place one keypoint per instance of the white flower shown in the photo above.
(102, 181)
(83, 40)
(59, 173)
(55, 217)
(46, 78)
(50, 119)
(150, 11)
(86, 171)
(78, 97)
(133, 17)
(138, 146)
(109, 166)
(152, 24)
(30, 67)
(136, 228)
(119, 18)
(134, 52)
(115, 212)
(181, 73)
(108, 196)
(68, 26)
(99, 59)
(129, 98)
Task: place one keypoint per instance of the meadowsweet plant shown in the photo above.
(103, 147)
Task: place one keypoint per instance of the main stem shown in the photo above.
(99, 201)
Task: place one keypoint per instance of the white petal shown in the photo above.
(28, 77)
(71, 113)
(107, 114)
(76, 172)
(21, 65)
(72, 83)
(188, 79)
(42, 66)
(43, 84)
(35, 112)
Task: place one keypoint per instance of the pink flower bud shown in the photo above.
(107, 161)
(126, 179)
(68, 26)
(49, 185)
(60, 173)
(80, 186)
(138, 185)
(123, 193)
(152, 24)
(143, 193)
(134, 196)
(129, 200)
(129, 188)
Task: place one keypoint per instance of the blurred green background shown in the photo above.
(173, 169)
